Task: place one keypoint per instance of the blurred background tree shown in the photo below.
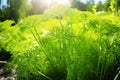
(107, 5)
(78, 4)
(100, 6)
(14, 10)
(117, 4)
(38, 6)
(89, 5)
(86, 6)
(17, 9)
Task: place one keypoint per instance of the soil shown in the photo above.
(5, 74)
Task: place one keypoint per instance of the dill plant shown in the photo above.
(76, 47)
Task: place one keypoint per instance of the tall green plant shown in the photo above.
(70, 46)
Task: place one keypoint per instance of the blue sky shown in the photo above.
(3, 3)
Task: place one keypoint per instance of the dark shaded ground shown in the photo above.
(4, 58)
(4, 75)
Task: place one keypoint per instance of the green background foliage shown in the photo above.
(19, 9)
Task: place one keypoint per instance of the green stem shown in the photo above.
(42, 74)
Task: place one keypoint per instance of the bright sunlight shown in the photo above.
(49, 2)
